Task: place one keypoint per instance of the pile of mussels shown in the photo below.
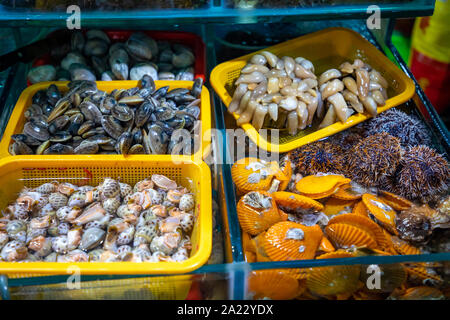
(92, 56)
(86, 120)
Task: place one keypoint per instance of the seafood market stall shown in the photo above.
(217, 149)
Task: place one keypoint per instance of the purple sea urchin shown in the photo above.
(319, 156)
(410, 130)
(374, 158)
(423, 174)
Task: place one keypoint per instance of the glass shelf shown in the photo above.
(212, 12)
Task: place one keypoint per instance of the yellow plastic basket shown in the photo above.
(325, 49)
(20, 171)
(17, 119)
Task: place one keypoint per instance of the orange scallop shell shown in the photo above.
(320, 184)
(360, 208)
(345, 236)
(347, 192)
(422, 293)
(395, 201)
(364, 223)
(249, 257)
(247, 243)
(281, 248)
(335, 206)
(334, 280)
(380, 212)
(261, 254)
(403, 247)
(255, 220)
(273, 284)
(286, 168)
(325, 246)
(293, 201)
(392, 277)
(257, 178)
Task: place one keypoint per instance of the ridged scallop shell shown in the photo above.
(273, 284)
(326, 246)
(364, 223)
(379, 211)
(292, 241)
(252, 174)
(393, 276)
(335, 280)
(320, 186)
(254, 220)
(286, 168)
(261, 254)
(247, 243)
(395, 201)
(335, 206)
(293, 200)
(348, 192)
(403, 247)
(360, 208)
(345, 236)
(421, 293)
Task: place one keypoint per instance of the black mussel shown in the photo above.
(161, 92)
(124, 143)
(143, 113)
(184, 98)
(33, 111)
(61, 136)
(58, 124)
(137, 149)
(75, 122)
(87, 147)
(137, 135)
(148, 83)
(111, 126)
(36, 131)
(59, 149)
(43, 146)
(39, 98)
(197, 87)
(90, 111)
(85, 127)
(122, 112)
(176, 92)
(18, 148)
(26, 139)
(106, 104)
(53, 94)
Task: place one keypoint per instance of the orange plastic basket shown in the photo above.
(325, 49)
(17, 119)
(23, 171)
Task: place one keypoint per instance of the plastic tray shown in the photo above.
(186, 38)
(17, 119)
(325, 49)
(24, 171)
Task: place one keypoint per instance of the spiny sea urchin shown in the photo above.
(319, 156)
(409, 129)
(423, 174)
(373, 158)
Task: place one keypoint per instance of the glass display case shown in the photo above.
(228, 29)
